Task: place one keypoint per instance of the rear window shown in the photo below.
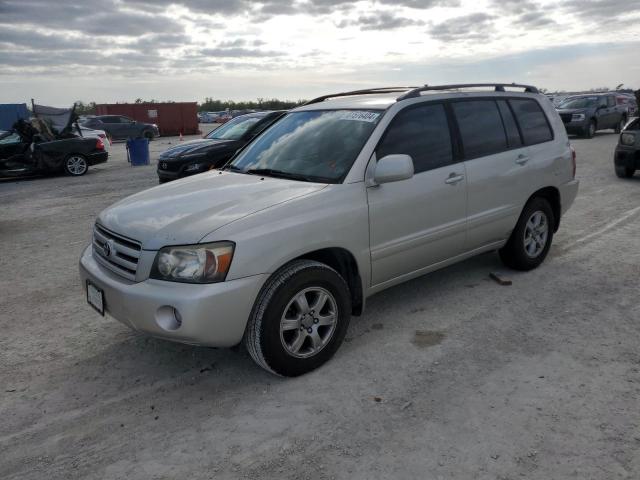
(510, 126)
(533, 122)
(480, 127)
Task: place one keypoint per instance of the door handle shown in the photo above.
(454, 178)
(522, 159)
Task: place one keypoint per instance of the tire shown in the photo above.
(75, 165)
(148, 135)
(590, 131)
(525, 249)
(282, 332)
(621, 125)
(624, 172)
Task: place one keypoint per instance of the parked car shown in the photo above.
(119, 127)
(586, 114)
(627, 154)
(343, 197)
(215, 149)
(24, 151)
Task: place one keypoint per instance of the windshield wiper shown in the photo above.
(269, 172)
(233, 168)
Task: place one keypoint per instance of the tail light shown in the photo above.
(573, 160)
(99, 144)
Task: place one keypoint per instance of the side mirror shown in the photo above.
(393, 168)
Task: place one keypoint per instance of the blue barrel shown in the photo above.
(138, 151)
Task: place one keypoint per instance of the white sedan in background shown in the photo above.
(90, 132)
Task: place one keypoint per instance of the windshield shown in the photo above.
(582, 102)
(234, 129)
(317, 145)
(9, 138)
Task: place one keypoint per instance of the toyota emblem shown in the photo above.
(107, 248)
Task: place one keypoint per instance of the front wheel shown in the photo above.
(624, 172)
(590, 131)
(621, 124)
(299, 319)
(531, 239)
(148, 135)
(76, 165)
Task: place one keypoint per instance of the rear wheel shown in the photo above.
(624, 172)
(299, 319)
(531, 239)
(148, 135)
(76, 165)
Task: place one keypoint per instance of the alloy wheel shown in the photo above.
(308, 322)
(536, 234)
(76, 165)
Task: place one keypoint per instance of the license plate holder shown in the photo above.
(95, 298)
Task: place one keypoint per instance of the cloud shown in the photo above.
(528, 14)
(472, 27)
(380, 20)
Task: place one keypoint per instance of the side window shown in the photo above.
(611, 102)
(480, 127)
(110, 119)
(602, 101)
(513, 135)
(124, 120)
(423, 133)
(533, 122)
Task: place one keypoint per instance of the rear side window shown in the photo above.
(423, 133)
(480, 127)
(533, 122)
(611, 102)
(510, 127)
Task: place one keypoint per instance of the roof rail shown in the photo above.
(361, 92)
(498, 87)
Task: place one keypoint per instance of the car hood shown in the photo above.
(195, 146)
(185, 211)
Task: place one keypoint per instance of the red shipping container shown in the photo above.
(171, 118)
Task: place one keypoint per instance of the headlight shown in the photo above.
(194, 167)
(577, 117)
(627, 139)
(206, 263)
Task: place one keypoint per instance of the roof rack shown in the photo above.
(361, 92)
(498, 87)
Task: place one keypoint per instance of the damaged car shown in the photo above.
(50, 142)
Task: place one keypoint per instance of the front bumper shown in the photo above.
(213, 315)
(627, 156)
(576, 127)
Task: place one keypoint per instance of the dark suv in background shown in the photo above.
(586, 114)
(215, 149)
(119, 127)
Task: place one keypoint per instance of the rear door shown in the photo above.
(497, 166)
(418, 222)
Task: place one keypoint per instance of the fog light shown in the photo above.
(168, 318)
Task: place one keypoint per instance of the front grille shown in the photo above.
(116, 252)
(566, 117)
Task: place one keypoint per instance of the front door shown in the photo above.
(419, 222)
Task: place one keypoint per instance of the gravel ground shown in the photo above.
(450, 376)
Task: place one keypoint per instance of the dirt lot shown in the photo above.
(450, 376)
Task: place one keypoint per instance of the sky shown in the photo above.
(60, 51)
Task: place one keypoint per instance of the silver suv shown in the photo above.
(343, 197)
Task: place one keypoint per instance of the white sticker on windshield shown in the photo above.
(358, 115)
